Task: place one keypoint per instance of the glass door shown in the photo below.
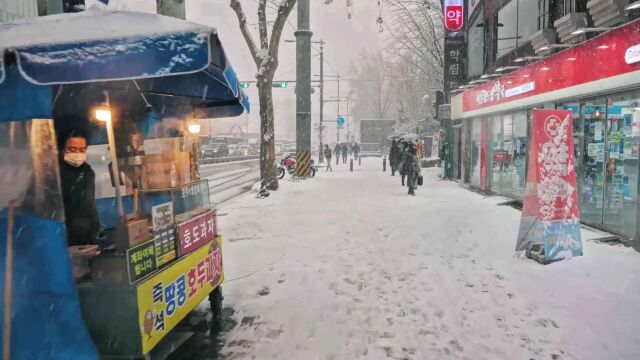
(622, 164)
(590, 160)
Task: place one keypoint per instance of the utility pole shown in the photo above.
(303, 90)
(337, 126)
(321, 149)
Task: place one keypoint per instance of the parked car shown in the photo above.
(215, 150)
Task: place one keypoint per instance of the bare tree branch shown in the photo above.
(242, 19)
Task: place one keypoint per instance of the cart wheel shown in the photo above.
(215, 301)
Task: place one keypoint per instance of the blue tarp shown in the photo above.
(175, 63)
(46, 319)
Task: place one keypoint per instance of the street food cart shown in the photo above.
(137, 83)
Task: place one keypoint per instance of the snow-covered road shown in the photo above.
(347, 266)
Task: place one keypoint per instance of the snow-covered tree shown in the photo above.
(265, 56)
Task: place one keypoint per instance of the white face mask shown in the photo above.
(75, 159)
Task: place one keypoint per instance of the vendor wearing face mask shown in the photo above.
(78, 190)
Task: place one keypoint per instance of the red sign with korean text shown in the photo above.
(453, 14)
(196, 232)
(550, 214)
(604, 57)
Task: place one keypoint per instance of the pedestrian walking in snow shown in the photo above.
(393, 157)
(403, 154)
(411, 168)
(345, 152)
(336, 152)
(356, 151)
(327, 155)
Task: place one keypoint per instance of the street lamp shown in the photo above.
(103, 114)
(553, 46)
(194, 128)
(590, 30)
(507, 68)
(633, 6)
(527, 58)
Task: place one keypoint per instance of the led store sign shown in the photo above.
(632, 55)
(453, 14)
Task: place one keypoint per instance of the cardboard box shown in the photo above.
(156, 175)
(156, 170)
(138, 232)
(110, 269)
(80, 256)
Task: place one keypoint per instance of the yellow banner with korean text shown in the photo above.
(167, 297)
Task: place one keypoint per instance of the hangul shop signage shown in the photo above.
(606, 57)
(141, 260)
(196, 231)
(167, 297)
(453, 14)
(454, 61)
(499, 92)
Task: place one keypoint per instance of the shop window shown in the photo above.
(515, 25)
(622, 160)
(508, 154)
(476, 46)
(607, 141)
(476, 143)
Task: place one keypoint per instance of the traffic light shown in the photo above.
(244, 85)
(279, 84)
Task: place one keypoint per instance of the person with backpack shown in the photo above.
(327, 155)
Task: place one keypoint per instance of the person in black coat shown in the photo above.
(356, 151)
(411, 168)
(402, 159)
(327, 155)
(393, 157)
(78, 190)
(345, 152)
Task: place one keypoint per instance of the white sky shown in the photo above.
(344, 40)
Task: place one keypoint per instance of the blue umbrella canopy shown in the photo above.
(173, 62)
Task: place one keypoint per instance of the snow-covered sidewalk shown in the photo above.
(347, 266)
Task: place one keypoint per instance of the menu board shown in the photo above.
(163, 233)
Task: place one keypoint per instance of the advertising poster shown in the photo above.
(550, 214)
(166, 298)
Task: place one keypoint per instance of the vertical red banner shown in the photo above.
(550, 215)
(483, 154)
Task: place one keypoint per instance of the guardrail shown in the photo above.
(228, 159)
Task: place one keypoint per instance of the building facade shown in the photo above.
(17, 9)
(582, 56)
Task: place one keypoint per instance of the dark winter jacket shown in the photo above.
(345, 149)
(336, 150)
(356, 149)
(327, 152)
(78, 194)
(393, 154)
(401, 161)
(411, 169)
